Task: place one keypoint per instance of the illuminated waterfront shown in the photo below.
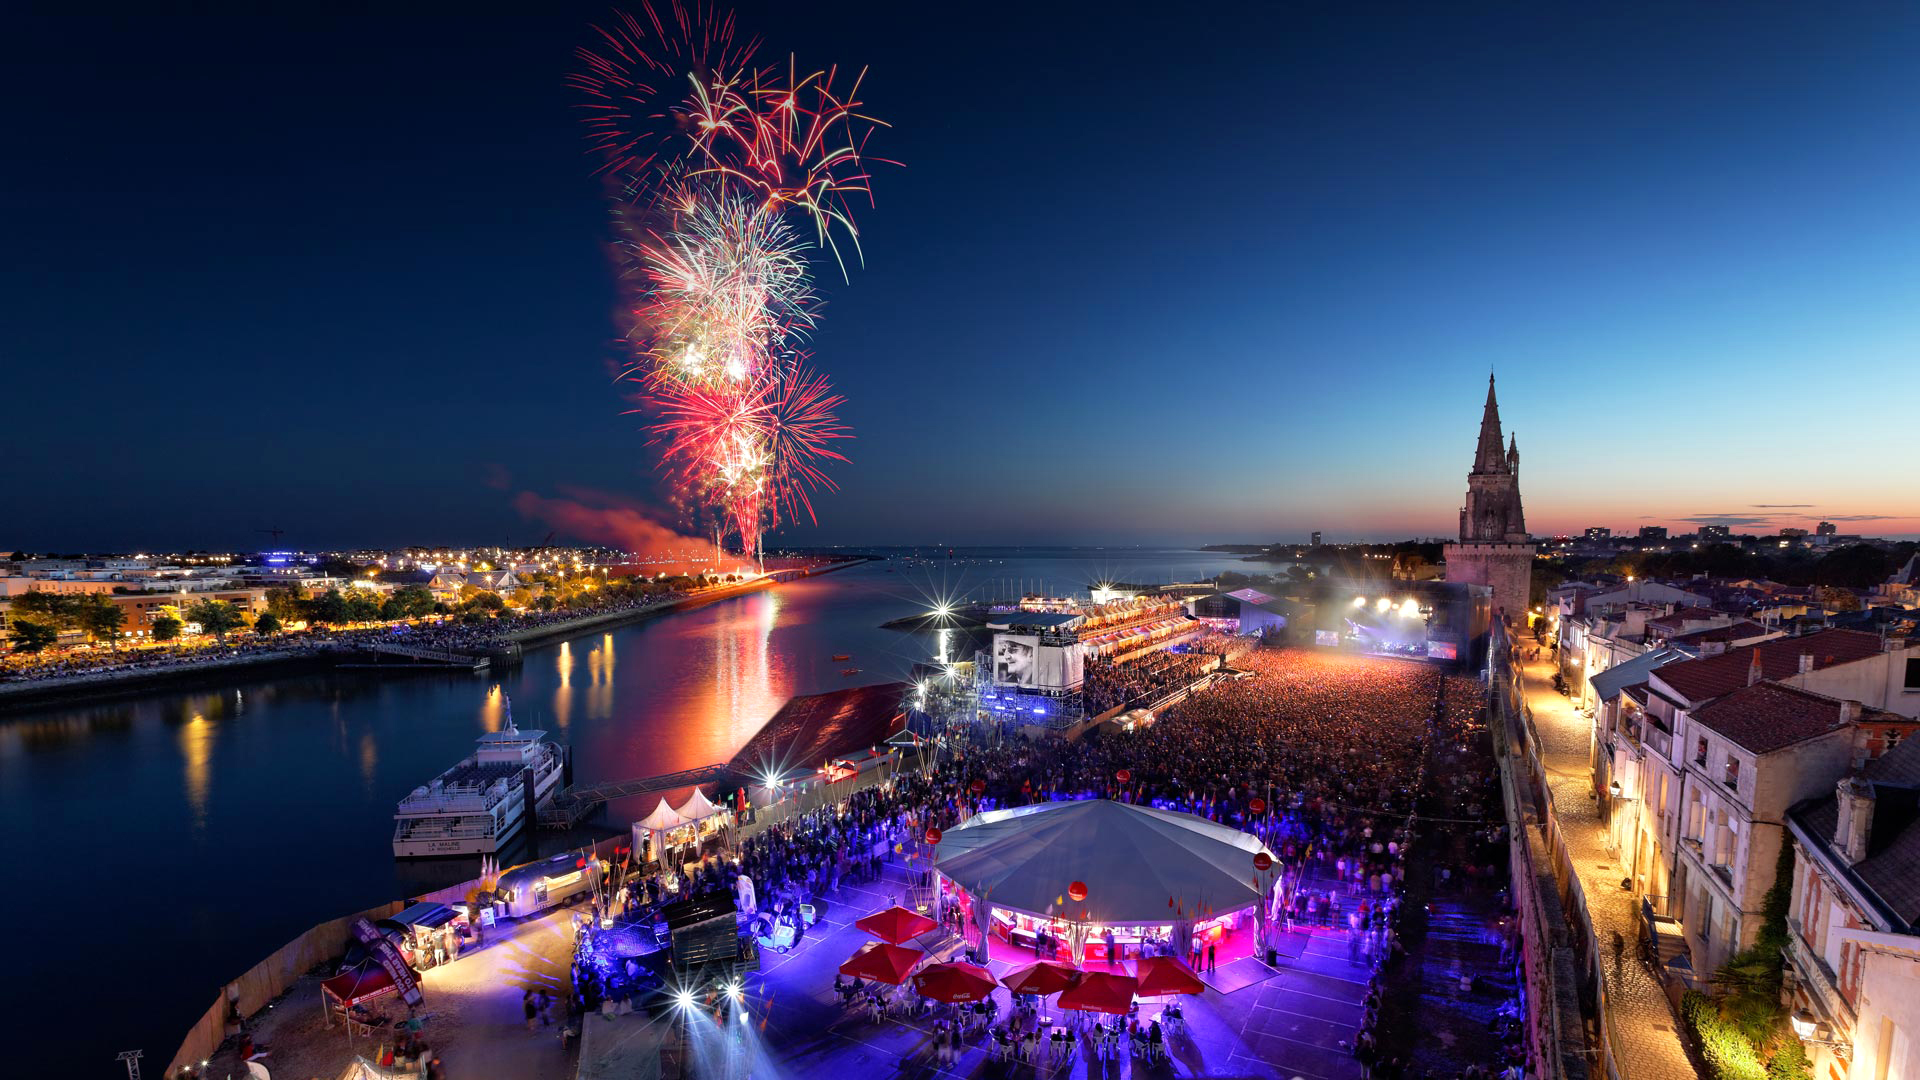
(239, 817)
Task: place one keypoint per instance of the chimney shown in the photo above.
(1856, 819)
(1849, 712)
(1806, 663)
(1712, 648)
(1754, 671)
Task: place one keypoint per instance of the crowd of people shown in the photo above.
(1141, 682)
(1337, 748)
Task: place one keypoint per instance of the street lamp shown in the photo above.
(1815, 1032)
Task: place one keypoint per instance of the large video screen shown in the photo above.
(1021, 660)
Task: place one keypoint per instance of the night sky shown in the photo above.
(1187, 273)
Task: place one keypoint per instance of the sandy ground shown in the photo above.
(473, 1013)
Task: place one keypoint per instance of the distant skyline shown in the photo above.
(1234, 276)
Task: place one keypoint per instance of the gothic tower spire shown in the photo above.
(1489, 458)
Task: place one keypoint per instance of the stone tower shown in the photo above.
(1494, 549)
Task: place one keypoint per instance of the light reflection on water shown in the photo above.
(282, 792)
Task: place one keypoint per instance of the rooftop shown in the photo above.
(1892, 866)
(1766, 717)
(1711, 676)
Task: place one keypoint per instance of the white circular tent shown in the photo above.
(1140, 866)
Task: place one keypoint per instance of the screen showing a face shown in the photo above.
(1013, 659)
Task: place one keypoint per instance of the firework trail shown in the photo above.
(718, 156)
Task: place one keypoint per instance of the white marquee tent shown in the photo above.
(1140, 866)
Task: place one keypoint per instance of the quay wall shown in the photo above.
(1556, 1027)
(267, 980)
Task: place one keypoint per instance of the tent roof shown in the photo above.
(1140, 865)
(365, 983)
(663, 817)
(698, 806)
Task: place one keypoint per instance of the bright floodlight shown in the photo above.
(1409, 607)
(683, 998)
(1359, 601)
(943, 611)
(1383, 604)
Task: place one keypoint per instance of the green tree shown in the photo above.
(165, 627)
(101, 618)
(31, 637)
(216, 617)
(363, 605)
(267, 624)
(329, 607)
(543, 602)
(286, 604)
(413, 601)
(56, 609)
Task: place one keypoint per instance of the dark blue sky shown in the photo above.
(1204, 273)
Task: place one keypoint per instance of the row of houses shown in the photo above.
(1720, 742)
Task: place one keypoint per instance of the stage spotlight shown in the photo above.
(1383, 605)
(1409, 607)
(683, 998)
(1359, 601)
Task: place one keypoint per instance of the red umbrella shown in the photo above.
(1043, 978)
(1101, 992)
(882, 962)
(896, 924)
(954, 983)
(1166, 975)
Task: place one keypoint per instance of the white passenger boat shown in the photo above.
(479, 804)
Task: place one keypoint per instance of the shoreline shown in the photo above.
(89, 688)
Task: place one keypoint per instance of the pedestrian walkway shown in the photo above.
(1640, 1026)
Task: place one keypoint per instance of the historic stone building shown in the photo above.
(1494, 549)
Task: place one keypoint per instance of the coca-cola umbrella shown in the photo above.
(1099, 991)
(954, 983)
(896, 925)
(1044, 978)
(1165, 975)
(882, 962)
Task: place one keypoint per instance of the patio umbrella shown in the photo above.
(954, 983)
(896, 925)
(882, 962)
(1042, 979)
(1101, 992)
(1166, 975)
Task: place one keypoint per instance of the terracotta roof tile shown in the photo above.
(1772, 716)
(1711, 676)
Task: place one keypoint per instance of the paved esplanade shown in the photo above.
(1645, 1038)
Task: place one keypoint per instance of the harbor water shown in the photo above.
(161, 845)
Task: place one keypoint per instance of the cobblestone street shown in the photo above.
(1641, 1028)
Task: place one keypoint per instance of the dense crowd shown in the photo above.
(451, 633)
(1141, 682)
(1338, 747)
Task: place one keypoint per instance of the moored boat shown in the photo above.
(478, 805)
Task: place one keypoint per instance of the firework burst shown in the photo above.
(718, 155)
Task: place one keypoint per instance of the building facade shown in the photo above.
(1494, 549)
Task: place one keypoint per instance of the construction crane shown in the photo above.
(275, 533)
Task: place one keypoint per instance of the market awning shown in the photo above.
(1165, 975)
(1042, 978)
(350, 988)
(1101, 992)
(895, 925)
(954, 983)
(882, 962)
(425, 915)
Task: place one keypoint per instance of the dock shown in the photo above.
(416, 656)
